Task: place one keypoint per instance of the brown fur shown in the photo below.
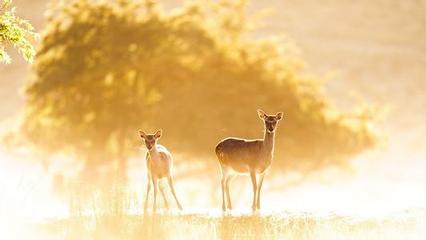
(240, 156)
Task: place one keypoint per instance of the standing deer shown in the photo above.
(240, 156)
(159, 165)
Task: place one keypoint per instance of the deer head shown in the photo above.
(150, 139)
(270, 121)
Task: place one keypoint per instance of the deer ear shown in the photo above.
(158, 134)
(261, 113)
(279, 116)
(142, 134)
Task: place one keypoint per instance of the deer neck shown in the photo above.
(268, 144)
(153, 152)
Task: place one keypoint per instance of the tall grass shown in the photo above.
(204, 226)
(117, 214)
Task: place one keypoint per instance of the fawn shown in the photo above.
(159, 163)
(241, 156)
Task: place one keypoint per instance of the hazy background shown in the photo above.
(369, 50)
(375, 49)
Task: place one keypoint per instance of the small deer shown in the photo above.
(241, 156)
(159, 163)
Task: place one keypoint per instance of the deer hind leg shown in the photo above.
(148, 189)
(258, 190)
(164, 196)
(170, 180)
(253, 181)
(223, 184)
(228, 195)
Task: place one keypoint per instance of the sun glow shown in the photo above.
(26, 191)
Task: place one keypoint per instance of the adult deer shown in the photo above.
(159, 165)
(241, 156)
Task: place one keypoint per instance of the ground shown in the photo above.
(283, 225)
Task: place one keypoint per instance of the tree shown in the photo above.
(104, 70)
(16, 32)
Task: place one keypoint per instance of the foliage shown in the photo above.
(15, 31)
(104, 70)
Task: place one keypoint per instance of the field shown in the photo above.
(118, 214)
(239, 226)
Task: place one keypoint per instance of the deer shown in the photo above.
(159, 163)
(239, 156)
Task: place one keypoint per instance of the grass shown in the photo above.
(258, 226)
(116, 214)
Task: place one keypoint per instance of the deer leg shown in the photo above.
(258, 190)
(253, 181)
(148, 189)
(223, 184)
(223, 193)
(173, 192)
(148, 181)
(164, 196)
(155, 183)
(228, 195)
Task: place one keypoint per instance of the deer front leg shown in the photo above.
(253, 181)
(164, 196)
(173, 192)
(155, 185)
(148, 189)
(258, 190)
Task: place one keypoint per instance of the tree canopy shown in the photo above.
(105, 70)
(16, 32)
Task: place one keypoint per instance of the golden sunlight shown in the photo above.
(141, 119)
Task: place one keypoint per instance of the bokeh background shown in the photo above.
(349, 75)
